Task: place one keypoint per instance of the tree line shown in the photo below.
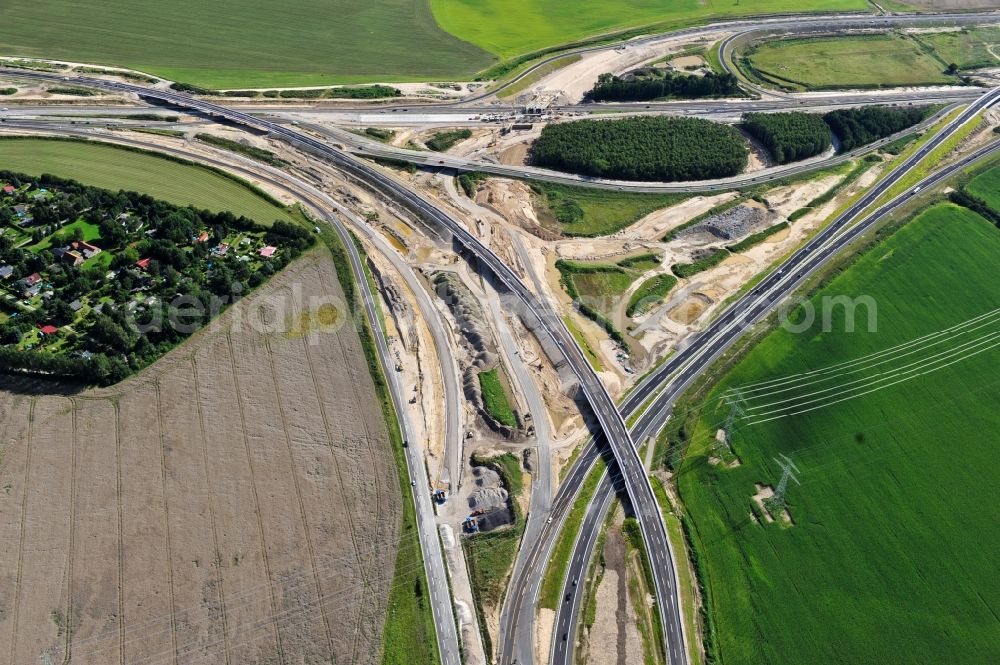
(794, 135)
(789, 137)
(860, 126)
(642, 148)
(611, 88)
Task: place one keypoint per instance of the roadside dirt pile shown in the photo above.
(489, 493)
(469, 316)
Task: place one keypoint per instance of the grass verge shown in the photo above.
(495, 398)
(562, 551)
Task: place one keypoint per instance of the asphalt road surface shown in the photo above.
(612, 424)
(363, 146)
(727, 329)
(633, 476)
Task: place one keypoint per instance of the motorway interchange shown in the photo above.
(651, 399)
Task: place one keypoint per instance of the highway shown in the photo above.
(368, 147)
(611, 422)
(361, 145)
(400, 114)
(688, 364)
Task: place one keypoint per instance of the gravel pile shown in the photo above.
(734, 223)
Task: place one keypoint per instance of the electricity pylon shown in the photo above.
(777, 502)
(734, 400)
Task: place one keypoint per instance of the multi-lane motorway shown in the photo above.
(364, 146)
(675, 374)
(684, 367)
(600, 401)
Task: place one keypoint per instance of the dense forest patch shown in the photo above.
(859, 126)
(789, 137)
(642, 148)
(660, 84)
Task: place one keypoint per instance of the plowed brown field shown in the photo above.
(236, 503)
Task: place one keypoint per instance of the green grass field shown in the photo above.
(319, 42)
(579, 211)
(253, 43)
(109, 167)
(512, 27)
(91, 232)
(652, 292)
(892, 555)
(968, 48)
(602, 285)
(836, 62)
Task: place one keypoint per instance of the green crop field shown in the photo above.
(837, 62)
(986, 186)
(513, 27)
(252, 43)
(109, 167)
(891, 557)
(317, 42)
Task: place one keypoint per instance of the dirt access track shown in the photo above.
(236, 503)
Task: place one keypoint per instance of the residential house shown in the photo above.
(143, 263)
(87, 249)
(72, 257)
(6, 272)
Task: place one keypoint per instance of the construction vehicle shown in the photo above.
(470, 525)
